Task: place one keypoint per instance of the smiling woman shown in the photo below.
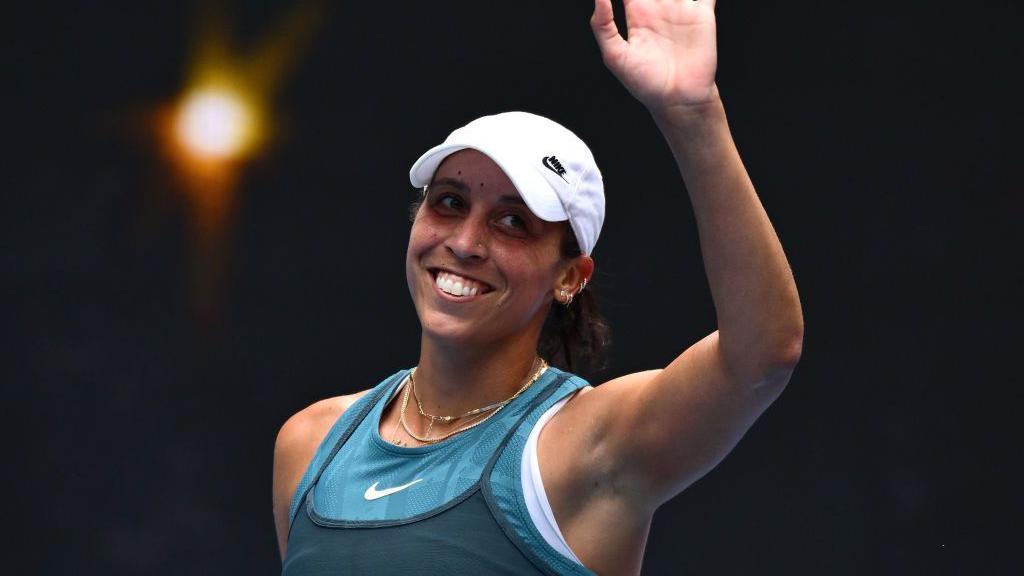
(476, 227)
(491, 456)
(574, 337)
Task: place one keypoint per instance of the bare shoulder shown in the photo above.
(311, 424)
(301, 434)
(296, 443)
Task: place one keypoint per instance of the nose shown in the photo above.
(468, 241)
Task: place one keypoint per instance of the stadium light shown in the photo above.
(216, 124)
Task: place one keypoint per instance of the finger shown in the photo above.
(606, 32)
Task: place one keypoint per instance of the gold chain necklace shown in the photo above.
(475, 411)
(447, 419)
(496, 408)
(405, 400)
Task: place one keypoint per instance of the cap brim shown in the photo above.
(532, 187)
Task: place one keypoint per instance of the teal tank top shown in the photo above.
(366, 506)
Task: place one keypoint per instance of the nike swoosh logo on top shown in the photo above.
(372, 493)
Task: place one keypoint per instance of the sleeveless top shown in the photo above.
(366, 506)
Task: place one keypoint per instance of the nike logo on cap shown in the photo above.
(552, 163)
(372, 493)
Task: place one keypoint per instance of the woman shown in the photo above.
(483, 459)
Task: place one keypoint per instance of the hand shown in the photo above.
(670, 58)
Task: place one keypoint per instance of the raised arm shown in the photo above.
(658, 431)
(669, 65)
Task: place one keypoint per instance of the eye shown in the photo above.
(513, 221)
(450, 201)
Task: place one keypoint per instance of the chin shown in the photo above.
(439, 324)
(457, 331)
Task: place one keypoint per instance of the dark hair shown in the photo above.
(574, 338)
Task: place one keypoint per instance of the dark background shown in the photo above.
(880, 138)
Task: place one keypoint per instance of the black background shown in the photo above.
(881, 139)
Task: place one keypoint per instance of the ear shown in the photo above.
(574, 277)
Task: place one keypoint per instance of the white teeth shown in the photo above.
(457, 285)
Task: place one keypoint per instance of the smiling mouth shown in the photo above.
(458, 286)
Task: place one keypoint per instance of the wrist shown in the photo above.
(693, 128)
(689, 115)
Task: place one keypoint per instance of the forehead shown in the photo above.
(477, 171)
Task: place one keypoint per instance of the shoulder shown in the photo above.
(296, 443)
(303, 432)
(315, 419)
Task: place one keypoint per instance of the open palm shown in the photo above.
(670, 56)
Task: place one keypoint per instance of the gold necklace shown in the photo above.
(496, 408)
(475, 411)
(405, 400)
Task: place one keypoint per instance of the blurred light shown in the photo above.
(221, 121)
(216, 123)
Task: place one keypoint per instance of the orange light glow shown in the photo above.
(216, 123)
(220, 122)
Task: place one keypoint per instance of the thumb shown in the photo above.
(606, 32)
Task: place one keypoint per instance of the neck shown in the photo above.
(452, 379)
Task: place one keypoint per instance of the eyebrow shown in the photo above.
(461, 186)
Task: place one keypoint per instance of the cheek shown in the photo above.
(534, 271)
(423, 235)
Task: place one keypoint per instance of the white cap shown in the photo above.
(552, 169)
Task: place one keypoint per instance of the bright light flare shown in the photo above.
(216, 124)
(219, 122)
